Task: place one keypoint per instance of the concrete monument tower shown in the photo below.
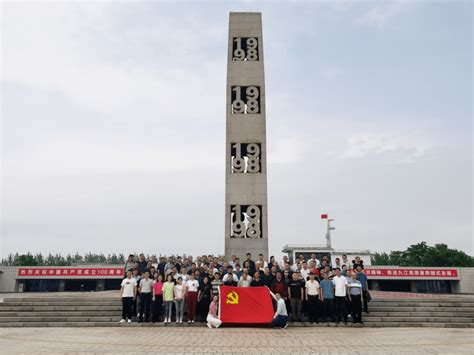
(246, 225)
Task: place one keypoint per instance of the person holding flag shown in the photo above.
(280, 319)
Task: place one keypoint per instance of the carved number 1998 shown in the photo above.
(245, 48)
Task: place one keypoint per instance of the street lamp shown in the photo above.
(328, 232)
(329, 229)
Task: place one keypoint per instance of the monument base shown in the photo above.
(241, 246)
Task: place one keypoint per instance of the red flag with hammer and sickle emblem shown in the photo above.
(249, 305)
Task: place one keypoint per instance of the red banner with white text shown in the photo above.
(245, 305)
(54, 272)
(412, 273)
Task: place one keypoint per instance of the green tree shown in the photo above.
(422, 254)
(39, 259)
(26, 260)
(381, 259)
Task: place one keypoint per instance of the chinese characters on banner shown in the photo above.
(71, 271)
(410, 273)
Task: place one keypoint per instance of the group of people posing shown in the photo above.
(313, 289)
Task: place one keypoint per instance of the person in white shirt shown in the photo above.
(263, 263)
(212, 269)
(192, 287)
(294, 267)
(229, 272)
(154, 262)
(346, 261)
(245, 279)
(280, 319)
(283, 262)
(179, 292)
(137, 277)
(355, 298)
(305, 271)
(347, 276)
(313, 296)
(176, 276)
(128, 293)
(184, 274)
(232, 260)
(315, 260)
(145, 289)
(340, 292)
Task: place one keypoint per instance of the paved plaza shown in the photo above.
(236, 340)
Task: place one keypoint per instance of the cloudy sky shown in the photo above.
(113, 124)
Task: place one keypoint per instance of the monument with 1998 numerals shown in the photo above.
(246, 223)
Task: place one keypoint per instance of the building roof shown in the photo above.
(323, 248)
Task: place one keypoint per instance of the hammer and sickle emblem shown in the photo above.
(232, 298)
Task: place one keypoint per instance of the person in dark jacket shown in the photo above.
(267, 277)
(142, 264)
(204, 298)
(229, 281)
(251, 263)
(256, 281)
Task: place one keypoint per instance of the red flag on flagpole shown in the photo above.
(248, 305)
(324, 216)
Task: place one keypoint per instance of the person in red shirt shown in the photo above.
(314, 269)
(279, 286)
(157, 297)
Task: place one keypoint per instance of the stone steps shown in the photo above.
(52, 303)
(61, 299)
(393, 313)
(59, 313)
(455, 299)
(417, 313)
(383, 308)
(54, 318)
(118, 307)
(421, 304)
(118, 312)
(417, 325)
(373, 311)
(94, 311)
(465, 299)
(59, 308)
(419, 319)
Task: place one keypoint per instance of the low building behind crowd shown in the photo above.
(395, 278)
(108, 277)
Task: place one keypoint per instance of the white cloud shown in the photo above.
(380, 14)
(72, 57)
(113, 155)
(406, 148)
